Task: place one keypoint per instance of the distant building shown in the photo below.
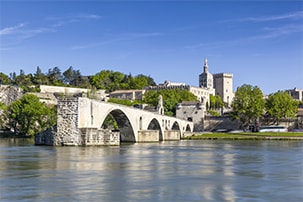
(192, 111)
(49, 94)
(127, 94)
(223, 84)
(206, 78)
(218, 84)
(296, 94)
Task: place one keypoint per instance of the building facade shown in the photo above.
(206, 78)
(220, 84)
(127, 94)
(192, 111)
(297, 94)
(223, 84)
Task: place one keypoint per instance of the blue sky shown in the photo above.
(260, 42)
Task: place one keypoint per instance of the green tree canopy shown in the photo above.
(4, 79)
(281, 105)
(248, 104)
(111, 81)
(215, 102)
(170, 99)
(40, 78)
(28, 116)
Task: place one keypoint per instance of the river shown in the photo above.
(189, 170)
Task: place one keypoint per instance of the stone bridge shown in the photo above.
(80, 121)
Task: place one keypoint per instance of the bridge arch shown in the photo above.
(155, 125)
(125, 127)
(187, 129)
(175, 126)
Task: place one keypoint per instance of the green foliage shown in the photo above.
(3, 109)
(281, 105)
(110, 123)
(213, 113)
(4, 79)
(27, 89)
(215, 102)
(105, 79)
(140, 81)
(28, 116)
(248, 104)
(123, 102)
(111, 81)
(170, 99)
(40, 78)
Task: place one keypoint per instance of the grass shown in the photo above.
(247, 136)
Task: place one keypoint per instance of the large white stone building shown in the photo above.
(218, 84)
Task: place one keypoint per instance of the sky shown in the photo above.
(259, 42)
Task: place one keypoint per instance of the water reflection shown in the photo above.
(168, 171)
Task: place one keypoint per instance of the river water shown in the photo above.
(168, 171)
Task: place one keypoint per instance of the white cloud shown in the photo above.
(60, 21)
(124, 37)
(11, 30)
(288, 16)
(268, 33)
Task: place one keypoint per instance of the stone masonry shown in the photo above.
(67, 132)
(67, 122)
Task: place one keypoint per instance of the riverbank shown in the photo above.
(247, 136)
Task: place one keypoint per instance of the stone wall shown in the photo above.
(67, 132)
(212, 123)
(171, 135)
(46, 137)
(95, 136)
(67, 122)
(148, 136)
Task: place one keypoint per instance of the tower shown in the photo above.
(206, 78)
(223, 83)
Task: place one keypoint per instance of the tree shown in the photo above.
(40, 78)
(140, 81)
(101, 79)
(281, 105)
(68, 75)
(28, 116)
(248, 104)
(24, 80)
(55, 77)
(215, 102)
(170, 99)
(4, 79)
(3, 109)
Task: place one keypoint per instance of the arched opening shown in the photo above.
(154, 125)
(188, 128)
(175, 126)
(117, 120)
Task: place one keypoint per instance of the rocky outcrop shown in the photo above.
(9, 93)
